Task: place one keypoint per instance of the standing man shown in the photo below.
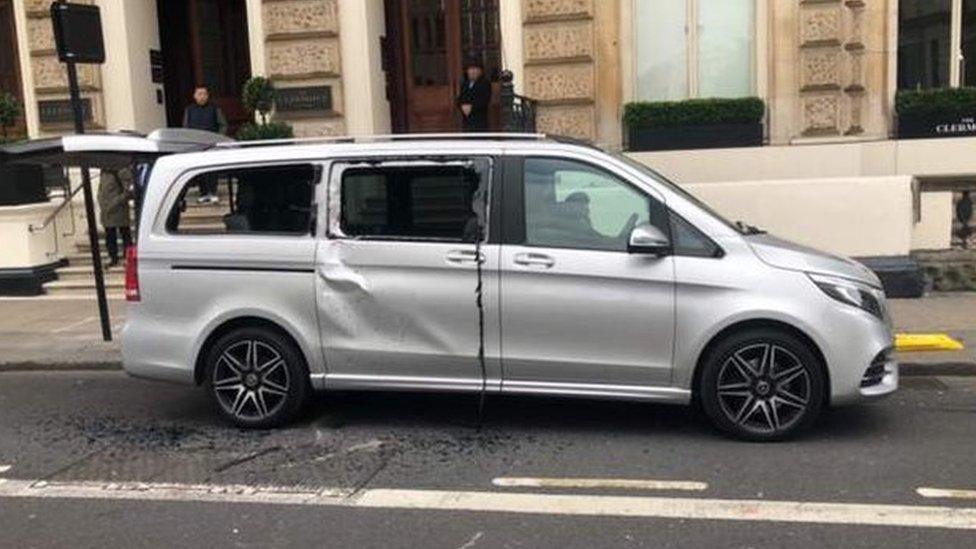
(474, 97)
(113, 205)
(204, 115)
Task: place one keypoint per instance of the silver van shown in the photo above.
(511, 264)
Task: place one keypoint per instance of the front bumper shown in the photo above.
(881, 378)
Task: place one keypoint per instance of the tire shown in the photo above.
(256, 390)
(762, 385)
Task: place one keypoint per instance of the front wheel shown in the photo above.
(762, 385)
(257, 378)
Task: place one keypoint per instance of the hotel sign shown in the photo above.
(304, 100)
(58, 112)
(910, 127)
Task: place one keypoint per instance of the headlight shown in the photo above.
(850, 292)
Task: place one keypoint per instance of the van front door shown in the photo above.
(399, 283)
(580, 314)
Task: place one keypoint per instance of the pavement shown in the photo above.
(58, 333)
(96, 459)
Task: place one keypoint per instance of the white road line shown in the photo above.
(4, 469)
(947, 493)
(494, 502)
(73, 325)
(629, 484)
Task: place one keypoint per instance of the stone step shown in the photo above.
(86, 273)
(83, 288)
(83, 259)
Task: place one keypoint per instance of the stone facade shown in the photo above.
(560, 65)
(50, 76)
(302, 49)
(829, 70)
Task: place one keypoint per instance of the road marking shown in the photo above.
(73, 325)
(947, 493)
(629, 484)
(916, 516)
(4, 469)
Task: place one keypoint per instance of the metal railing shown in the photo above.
(53, 215)
(518, 111)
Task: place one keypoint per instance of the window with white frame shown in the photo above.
(936, 43)
(694, 48)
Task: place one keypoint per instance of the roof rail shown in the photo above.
(388, 137)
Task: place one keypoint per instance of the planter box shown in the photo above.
(21, 185)
(711, 136)
(927, 127)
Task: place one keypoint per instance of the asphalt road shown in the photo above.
(89, 430)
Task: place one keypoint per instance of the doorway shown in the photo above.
(10, 64)
(426, 45)
(204, 41)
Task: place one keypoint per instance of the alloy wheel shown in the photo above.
(764, 388)
(251, 380)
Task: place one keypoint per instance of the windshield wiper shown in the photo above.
(748, 229)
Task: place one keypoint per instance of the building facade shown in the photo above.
(831, 171)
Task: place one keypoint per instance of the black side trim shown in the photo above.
(513, 201)
(241, 269)
(28, 281)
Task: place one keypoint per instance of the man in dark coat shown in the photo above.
(204, 115)
(474, 97)
(113, 205)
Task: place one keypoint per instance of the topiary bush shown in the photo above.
(258, 97)
(260, 132)
(944, 102)
(694, 112)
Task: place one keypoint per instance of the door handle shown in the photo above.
(462, 257)
(534, 260)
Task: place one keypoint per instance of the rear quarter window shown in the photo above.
(259, 200)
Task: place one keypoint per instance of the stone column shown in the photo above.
(830, 75)
(50, 79)
(560, 65)
(302, 50)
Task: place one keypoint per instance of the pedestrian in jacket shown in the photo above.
(204, 115)
(474, 97)
(113, 204)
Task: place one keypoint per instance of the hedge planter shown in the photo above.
(946, 112)
(934, 126)
(703, 136)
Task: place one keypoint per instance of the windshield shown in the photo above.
(737, 226)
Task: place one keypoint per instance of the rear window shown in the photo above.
(263, 200)
(411, 202)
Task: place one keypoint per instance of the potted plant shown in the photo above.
(9, 113)
(258, 97)
(694, 124)
(949, 112)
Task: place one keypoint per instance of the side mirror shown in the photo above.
(648, 239)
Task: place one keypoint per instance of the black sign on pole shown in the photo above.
(78, 35)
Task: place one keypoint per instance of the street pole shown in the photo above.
(90, 207)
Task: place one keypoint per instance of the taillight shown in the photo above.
(131, 274)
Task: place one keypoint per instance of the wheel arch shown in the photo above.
(753, 324)
(244, 321)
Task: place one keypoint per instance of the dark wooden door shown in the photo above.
(205, 42)
(426, 46)
(10, 62)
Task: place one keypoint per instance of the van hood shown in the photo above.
(783, 254)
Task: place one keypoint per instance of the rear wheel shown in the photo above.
(762, 384)
(256, 378)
